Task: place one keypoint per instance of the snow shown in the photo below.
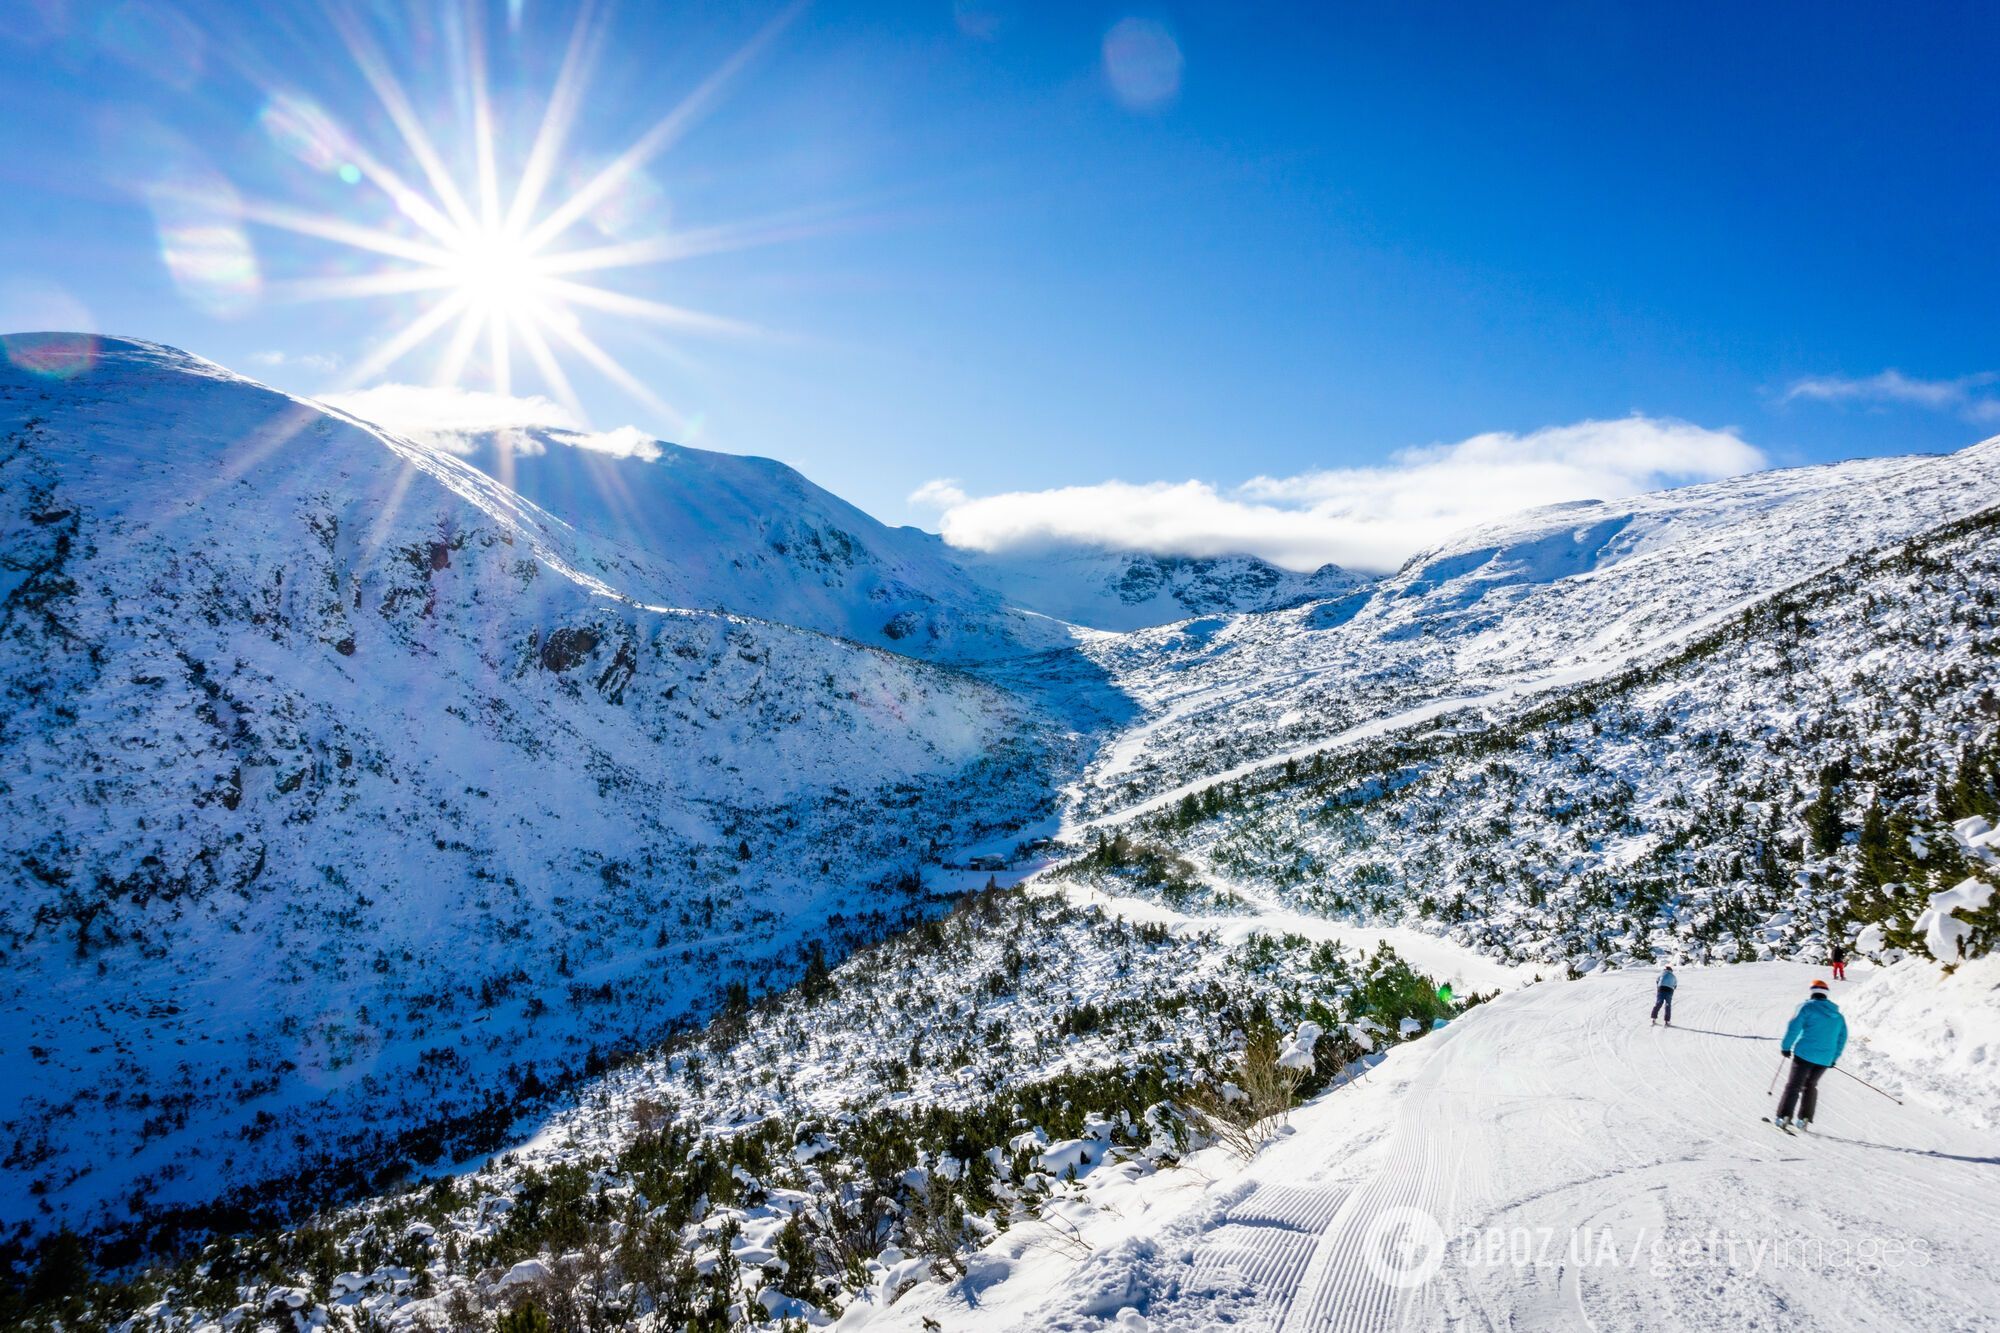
(1548, 1160)
(528, 1271)
(1122, 590)
(1944, 934)
(1938, 1033)
(348, 789)
(1298, 1051)
(695, 528)
(1428, 953)
(356, 783)
(1679, 783)
(1512, 609)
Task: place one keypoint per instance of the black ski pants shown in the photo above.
(1801, 1089)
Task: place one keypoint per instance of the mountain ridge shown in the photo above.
(351, 759)
(398, 796)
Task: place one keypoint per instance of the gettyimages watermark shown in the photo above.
(1406, 1247)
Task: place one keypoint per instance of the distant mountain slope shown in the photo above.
(716, 531)
(348, 792)
(1792, 772)
(728, 532)
(1549, 596)
(1123, 590)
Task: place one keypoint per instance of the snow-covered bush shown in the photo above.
(765, 1166)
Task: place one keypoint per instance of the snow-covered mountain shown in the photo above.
(724, 532)
(364, 797)
(1123, 590)
(750, 535)
(1764, 787)
(348, 792)
(1549, 598)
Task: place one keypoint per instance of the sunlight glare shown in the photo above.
(492, 255)
(496, 272)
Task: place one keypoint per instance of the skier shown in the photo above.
(1813, 1042)
(1663, 996)
(1839, 960)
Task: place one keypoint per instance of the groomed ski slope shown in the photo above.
(1549, 1161)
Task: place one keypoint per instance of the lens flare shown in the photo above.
(56, 356)
(305, 131)
(205, 251)
(1142, 62)
(197, 214)
(493, 254)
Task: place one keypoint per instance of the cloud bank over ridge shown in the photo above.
(451, 418)
(1362, 518)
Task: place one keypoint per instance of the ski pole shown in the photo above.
(1774, 1075)
(1866, 1084)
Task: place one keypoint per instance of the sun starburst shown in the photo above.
(500, 262)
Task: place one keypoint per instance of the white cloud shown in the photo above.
(454, 419)
(623, 442)
(1370, 518)
(1962, 395)
(939, 493)
(413, 408)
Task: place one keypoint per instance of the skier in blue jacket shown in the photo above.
(1813, 1041)
(1663, 996)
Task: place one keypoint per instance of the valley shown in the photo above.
(447, 880)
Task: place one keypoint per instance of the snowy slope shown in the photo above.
(790, 1158)
(1546, 599)
(1550, 1162)
(349, 792)
(727, 532)
(735, 533)
(360, 792)
(1940, 1033)
(1712, 799)
(1120, 590)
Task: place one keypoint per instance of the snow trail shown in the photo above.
(1433, 955)
(1552, 1161)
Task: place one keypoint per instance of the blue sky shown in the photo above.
(1020, 247)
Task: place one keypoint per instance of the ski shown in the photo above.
(1786, 1129)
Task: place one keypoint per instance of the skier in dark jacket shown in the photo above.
(1663, 996)
(1813, 1041)
(1839, 960)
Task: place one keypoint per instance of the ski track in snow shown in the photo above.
(1625, 1166)
(1433, 955)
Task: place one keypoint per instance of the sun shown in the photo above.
(496, 257)
(496, 273)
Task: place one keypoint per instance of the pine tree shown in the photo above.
(1823, 819)
(817, 980)
(722, 1280)
(1877, 859)
(794, 1251)
(524, 1318)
